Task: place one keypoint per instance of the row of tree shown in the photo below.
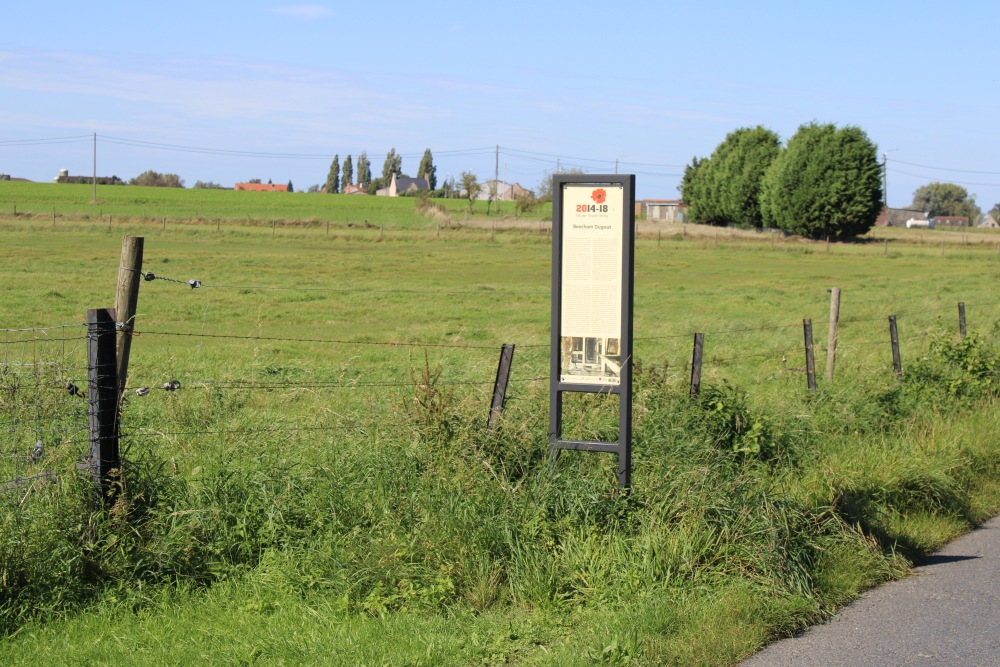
(341, 176)
(825, 183)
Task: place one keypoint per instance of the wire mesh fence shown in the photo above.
(43, 406)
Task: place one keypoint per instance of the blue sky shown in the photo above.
(220, 91)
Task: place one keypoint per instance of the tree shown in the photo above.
(207, 185)
(333, 176)
(290, 188)
(428, 170)
(375, 185)
(995, 211)
(543, 190)
(364, 171)
(946, 199)
(687, 186)
(393, 165)
(470, 184)
(348, 174)
(253, 181)
(155, 179)
(725, 188)
(524, 202)
(827, 183)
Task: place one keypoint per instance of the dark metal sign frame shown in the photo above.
(557, 384)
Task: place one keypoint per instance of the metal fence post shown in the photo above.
(807, 331)
(897, 365)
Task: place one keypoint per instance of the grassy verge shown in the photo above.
(315, 495)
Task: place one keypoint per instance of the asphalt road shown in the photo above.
(946, 614)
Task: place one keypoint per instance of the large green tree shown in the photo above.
(333, 176)
(946, 199)
(687, 186)
(827, 183)
(348, 175)
(725, 189)
(427, 169)
(364, 171)
(393, 165)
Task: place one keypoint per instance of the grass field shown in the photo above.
(322, 488)
(72, 202)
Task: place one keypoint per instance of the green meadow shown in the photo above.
(322, 488)
(64, 202)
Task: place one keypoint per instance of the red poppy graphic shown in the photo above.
(599, 195)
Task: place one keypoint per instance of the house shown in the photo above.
(261, 187)
(988, 222)
(400, 184)
(353, 189)
(500, 191)
(664, 210)
(898, 217)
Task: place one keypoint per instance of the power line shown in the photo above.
(962, 171)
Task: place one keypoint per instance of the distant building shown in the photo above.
(64, 177)
(664, 210)
(261, 187)
(897, 217)
(988, 222)
(353, 189)
(503, 191)
(400, 184)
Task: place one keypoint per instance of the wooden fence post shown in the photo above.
(500, 385)
(961, 318)
(807, 332)
(126, 300)
(696, 357)
(897, 365)
(102, 400)
(831, 343)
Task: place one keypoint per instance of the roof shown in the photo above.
(404, 183)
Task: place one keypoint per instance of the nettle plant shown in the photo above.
(965, 366)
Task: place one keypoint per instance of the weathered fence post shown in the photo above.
(961, 318)
(807, 332)
(696, 356)
(831, 341)
(126, 300)
(897, 365)
(102, 400)
(500, 385)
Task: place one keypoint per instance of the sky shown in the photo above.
(226, 92)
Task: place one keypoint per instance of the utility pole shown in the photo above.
(616, 165)
(95, 167)
(885, 183)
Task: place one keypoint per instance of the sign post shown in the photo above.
(593, 238)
